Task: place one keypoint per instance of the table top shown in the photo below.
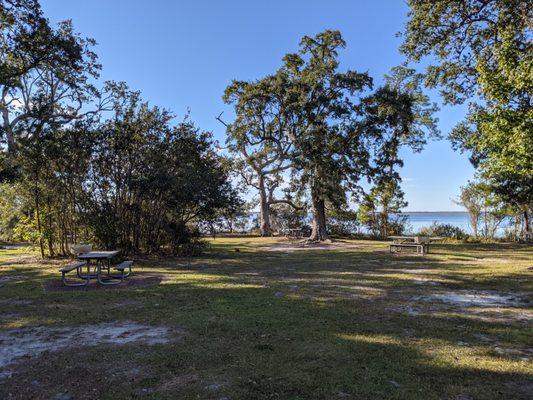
(414, 237)
(93, 255)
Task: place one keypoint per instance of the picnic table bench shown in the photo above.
(101, 264)
(70, 267)
(420, 243)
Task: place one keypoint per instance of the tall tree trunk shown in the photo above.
(526, 224)
(264, 213)
(38, 216)
(49, 228)
(319, 232)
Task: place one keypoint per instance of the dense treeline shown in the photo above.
(329, 131)
(83, 161)
(84, 164)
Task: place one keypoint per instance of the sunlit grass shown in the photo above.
(307, 324)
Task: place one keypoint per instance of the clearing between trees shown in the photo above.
(263, 322)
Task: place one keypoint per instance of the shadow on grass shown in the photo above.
(296, 345)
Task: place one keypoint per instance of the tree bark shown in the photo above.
(319, 232)
(39, 226)
(264, 214)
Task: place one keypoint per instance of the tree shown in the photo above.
(257, 140)
(397, 115)
(329, 154)
(12, 209)
(45, 72)
(486, 210)
(380, 209)
(471, 201)
(482, 51)
(140, 192)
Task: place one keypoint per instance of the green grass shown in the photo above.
(352, 322)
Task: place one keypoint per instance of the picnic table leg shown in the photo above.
(111, 280)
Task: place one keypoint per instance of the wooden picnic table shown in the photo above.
(101, 258)
(420, 243)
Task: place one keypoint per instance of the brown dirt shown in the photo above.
(306, 245)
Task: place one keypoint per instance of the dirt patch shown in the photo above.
(305, 245)
(476, 299)
(28, 259)
(137, 280)
(414, 271)
(31, 342)
(15, 302)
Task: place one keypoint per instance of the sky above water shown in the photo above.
(182, 54)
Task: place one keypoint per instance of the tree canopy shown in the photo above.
(482, 54)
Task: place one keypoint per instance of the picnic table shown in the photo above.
(420, 243)
(101, 259)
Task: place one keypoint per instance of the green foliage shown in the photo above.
(443, 230)
(46, 72)
(141, 195)
(474, 43)
(286, 217)
(343, 223)
(483, 52)
(12, 207)
(486, 210)
(380, 209)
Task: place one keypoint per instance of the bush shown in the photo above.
(444, 230)
(192, 249)
(343, 223)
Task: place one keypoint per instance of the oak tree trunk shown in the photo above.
(319, 232)
(264, 212)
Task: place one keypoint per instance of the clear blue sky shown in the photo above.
(182, 54)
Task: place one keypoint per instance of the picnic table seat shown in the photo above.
(123, 266)
(125, 270)
(420, 243)
(71, 267)
(420, 247)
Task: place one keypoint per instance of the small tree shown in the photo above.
(486, 210)
(381, 207)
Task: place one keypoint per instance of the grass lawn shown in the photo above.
(269, 322)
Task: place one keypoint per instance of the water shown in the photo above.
(418, 220)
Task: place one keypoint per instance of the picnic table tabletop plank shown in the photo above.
(414, 237)
(95, 255)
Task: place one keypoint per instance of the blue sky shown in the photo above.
(182, 54)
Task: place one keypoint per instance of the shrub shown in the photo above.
(192, 249)
(444, 230)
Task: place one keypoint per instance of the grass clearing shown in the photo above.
(346, 322)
